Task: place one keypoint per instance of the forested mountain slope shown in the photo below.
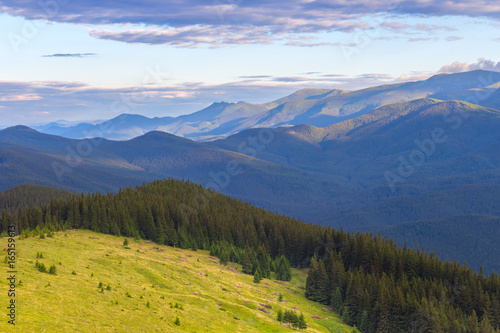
(374, 284)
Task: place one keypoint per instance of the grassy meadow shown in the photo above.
(103, 286)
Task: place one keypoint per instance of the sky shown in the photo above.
(93, 60)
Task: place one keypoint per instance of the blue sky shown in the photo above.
(92, 60)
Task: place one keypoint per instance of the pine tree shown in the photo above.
(280, 316)
(336, 302)
(224, 256)
(317, 282)
(287, 317)
(283, 270)
(484, 325)
(263, 259)
(302, 322)
(247, 262)
(384, 310)
(311, 283)
(346, 317)
(42, 268)
(364, 323)
(472, 322)
(336, 272)
(257, 277)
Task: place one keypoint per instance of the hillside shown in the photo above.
(27, 156)
(367, 153)
(371, 282)
(213, 297)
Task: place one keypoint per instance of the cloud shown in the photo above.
(395, 26)
(407, 28)
(195, 23)
(190, 36)
(453, 38)
(20, 97)
(69, 55)
(255, 76)
(291, 79)
(433, 27)
(481, 63)
(219, 35)
(333, 75)
(413, 77)
(305, 44)
(258, 13)
(420, 39)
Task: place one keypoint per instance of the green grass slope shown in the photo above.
(144, 280)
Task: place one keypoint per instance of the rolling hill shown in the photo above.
(27, 156)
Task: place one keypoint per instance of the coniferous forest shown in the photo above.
(372, 283)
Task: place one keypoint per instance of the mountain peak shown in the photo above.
(222, 103)
(19, 128)
(474, 74)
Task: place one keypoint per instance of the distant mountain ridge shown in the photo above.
(316, 107)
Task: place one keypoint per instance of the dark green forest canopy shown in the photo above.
(29, 195)
(375, 284)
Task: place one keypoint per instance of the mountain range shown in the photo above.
(393, 161)
(316, 107)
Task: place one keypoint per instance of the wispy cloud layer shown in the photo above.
(294, 13)
(69, 55)
(192, 23)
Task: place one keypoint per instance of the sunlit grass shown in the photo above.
(143, 283)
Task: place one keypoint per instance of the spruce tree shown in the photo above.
(263, 259)
(224, 256)
(484, 325)
(257, 277)
(311, 283)
(336, 302)
(364, 323)
(317, 283)
(302, 322)
(283, 270)
(346, 317)
(280, 316)
(247, 262)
